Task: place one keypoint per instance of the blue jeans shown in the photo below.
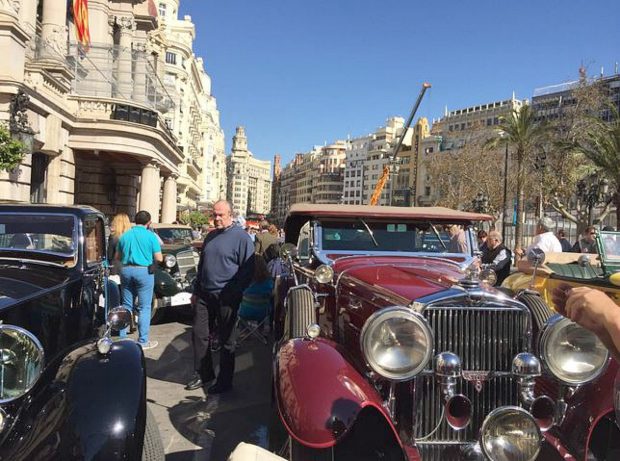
(136, 281)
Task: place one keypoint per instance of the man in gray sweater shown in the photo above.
(225, 270)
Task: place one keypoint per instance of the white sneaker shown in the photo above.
(148, 345)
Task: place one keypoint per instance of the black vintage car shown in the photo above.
(67, 392)
(173, 280)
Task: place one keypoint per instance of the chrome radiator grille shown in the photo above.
(486, 339)
(185, 261)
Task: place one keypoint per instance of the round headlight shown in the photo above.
(21, 362)
(488, 276)
(324, 274)
(397, 343)
(571, 353)
(170, 261)
(510, 434)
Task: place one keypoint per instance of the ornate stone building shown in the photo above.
(108, 131)
(249, 179)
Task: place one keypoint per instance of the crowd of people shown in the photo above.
(235, 272)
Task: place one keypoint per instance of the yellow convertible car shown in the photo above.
(600, 271)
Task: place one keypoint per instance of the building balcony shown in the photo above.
(107, 72)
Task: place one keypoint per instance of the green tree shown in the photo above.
(601, 145)
(523, 134)
(577, 119)
(195, 219)
(11, 151)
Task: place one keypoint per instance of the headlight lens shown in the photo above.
(21, 362)
(324, 274)
(170, 261)
(571, 353)
(488, 276)
(397, 343)
(510, 434)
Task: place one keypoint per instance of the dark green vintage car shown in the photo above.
(173, 280)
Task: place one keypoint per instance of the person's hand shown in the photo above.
(193, 300)
(519, 252)
(586, 306)
(559, 295)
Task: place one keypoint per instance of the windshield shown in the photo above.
(49, 233)
(172, 234)
(610, 245)
(397, 236)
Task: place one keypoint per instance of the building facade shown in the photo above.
(101, 120)
(249, 179)
(366, 157)
(195, 119)
(452, 133)
(316, 176)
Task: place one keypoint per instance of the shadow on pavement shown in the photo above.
(207, 428)
(218, 423)
(175, 363)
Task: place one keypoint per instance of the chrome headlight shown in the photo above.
(510, 434)
(21, 362)
(170, 261)
(397, 343)
(488, 276)
(324, 274)
(571, 353)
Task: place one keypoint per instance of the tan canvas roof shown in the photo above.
(369, 211)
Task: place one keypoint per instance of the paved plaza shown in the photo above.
(195, 427)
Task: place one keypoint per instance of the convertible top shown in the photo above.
(299, 213)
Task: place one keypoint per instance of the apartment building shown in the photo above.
(451, 133)
(249, 179)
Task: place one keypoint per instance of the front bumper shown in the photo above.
(182, 298)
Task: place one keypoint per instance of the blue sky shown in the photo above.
(297, 73)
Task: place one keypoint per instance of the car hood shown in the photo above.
(408, 277)
(21, 282)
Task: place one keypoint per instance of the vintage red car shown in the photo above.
(391, 347)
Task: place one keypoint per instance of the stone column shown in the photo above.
(169, 205)
(54, 30)
(149, 190)
(142, 67)
(13, 41)
(28, 16)
(127, 27)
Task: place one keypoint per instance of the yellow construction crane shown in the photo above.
(385, 175)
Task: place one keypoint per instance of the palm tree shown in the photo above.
(522, 133)
(601, 145)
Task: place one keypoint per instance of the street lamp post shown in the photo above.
(480, 203)
(592, 191)
(540, 164)
(505, 204)
(18, 120)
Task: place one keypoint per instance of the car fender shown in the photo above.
(87, 406)
(319, 393)
(165, 285)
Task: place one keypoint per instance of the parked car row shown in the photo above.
(66, 391)
(418, 356)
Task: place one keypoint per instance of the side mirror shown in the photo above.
(583, 261)
(288, 250)
(536, 256)
(119, 318)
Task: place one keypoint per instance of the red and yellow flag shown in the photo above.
(80, 19)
